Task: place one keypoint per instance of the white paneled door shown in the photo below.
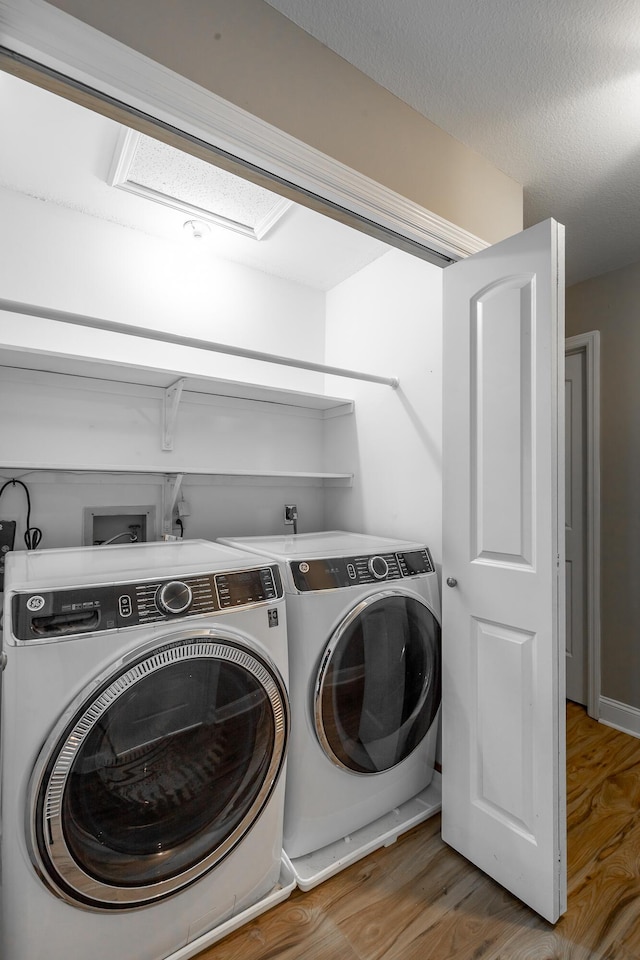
(503, 565)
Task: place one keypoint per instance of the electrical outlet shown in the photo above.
(290, 513)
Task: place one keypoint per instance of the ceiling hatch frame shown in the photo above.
(136, 173)
(48, 47)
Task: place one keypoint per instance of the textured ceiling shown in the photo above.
(548, 91)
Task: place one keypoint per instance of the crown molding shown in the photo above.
(35, 30)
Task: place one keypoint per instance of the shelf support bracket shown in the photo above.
(170, 494)
(170, 404)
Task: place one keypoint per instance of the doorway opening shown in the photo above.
(582, 393)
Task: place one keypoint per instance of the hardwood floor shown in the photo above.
(419, 900)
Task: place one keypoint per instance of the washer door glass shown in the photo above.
(378, 688)
(160, 773)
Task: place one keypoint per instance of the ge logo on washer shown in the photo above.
(35, 603)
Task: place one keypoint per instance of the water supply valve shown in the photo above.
(291, 516)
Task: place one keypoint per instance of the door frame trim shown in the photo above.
(589, 345)
(81, 55)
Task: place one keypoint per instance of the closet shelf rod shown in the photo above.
(95, 323)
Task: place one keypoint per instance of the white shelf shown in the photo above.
(25, 466)
(79, 372)
(76, 366)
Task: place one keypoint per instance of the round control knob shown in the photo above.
(378, 567)
(174, 597)
(452, 582)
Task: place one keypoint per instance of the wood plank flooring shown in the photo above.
(419, 900)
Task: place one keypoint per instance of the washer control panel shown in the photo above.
(56, 614)
(339, 572)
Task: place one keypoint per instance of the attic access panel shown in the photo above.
(161, 173)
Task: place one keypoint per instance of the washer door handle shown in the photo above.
(452, 582)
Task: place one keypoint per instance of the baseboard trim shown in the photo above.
(621, 716)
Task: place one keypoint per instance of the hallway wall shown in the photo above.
(609, 303)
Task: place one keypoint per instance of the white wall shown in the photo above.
(67, 260)
(240, 508)
(61, 258)
(78, 424)
(387, 319)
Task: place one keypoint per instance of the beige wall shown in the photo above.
(249, 54)
(611, 303)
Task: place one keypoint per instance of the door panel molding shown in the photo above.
(509, 652)
(502, 424)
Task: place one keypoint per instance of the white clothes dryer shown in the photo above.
(363, 618)
(144, 726)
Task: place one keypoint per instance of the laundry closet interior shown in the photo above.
(84, 421)
(117, 438)
(165, 377)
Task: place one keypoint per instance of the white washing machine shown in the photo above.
(144, 726)
(363, 618)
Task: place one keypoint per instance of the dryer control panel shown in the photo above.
(57, 614)
(340, 572)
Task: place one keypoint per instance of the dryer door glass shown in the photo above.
(378, 688)
(160, 773)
